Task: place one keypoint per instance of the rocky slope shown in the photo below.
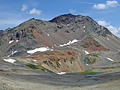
(36, 39)
(58, 31)
(1, 32)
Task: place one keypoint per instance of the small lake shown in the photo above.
(93, 73)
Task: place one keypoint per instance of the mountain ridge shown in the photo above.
(60, 30)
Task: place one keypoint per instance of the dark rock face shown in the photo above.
(1, 32)
(36, 33)
(64, 19)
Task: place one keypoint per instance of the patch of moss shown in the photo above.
(72, 59)
(90, 60)
(69, 53)
(88, 71)
(49, 63)
(94, 55)
(32, 66)
(110, 67)
(43, 68)
(65, 60)
(58, 64)
(90, 41)
(39, 66)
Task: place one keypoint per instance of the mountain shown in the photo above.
(58, 31)
(67, 43)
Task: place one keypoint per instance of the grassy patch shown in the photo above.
(39, 66)
(43, 68)
(49, 63)
(90, 60)
(110, 67)
(58, 64)
(32, 66)
(72, 59)
(88, 71)
(94, 55)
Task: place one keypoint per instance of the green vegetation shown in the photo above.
(89, 71)
(90, 60)
(110, 67)
(65, 60)
(32, 66)
(72, 59)
(69, 53)
(43, 68)
(49, 63)
(39, 66)
(90, 41)
(58, 64)
(94, 55)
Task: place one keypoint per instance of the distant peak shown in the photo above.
(67, 15)
(65, 18)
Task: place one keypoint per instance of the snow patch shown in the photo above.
(61, 73)
(13, 52)
(9, 60)
(11, 41)
(87, 64)
(34, 60)
(17, 40)
(41, 49)
(110, 59)
(70, 42)
(86, 52)
(48, 34)
(84, 27)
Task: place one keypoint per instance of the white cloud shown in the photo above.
(103, 23)
(24, 8)
(106, 5)
(35, 11)
(113, 29)
(112, 3)
(99, 6)
(110, 27)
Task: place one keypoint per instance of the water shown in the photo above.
(93, 73)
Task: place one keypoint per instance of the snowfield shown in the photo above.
(13, 52)
(9, 60)
(48, 34)
(110, 59)
(86, 52)
(70, 42)
(84, 27)
(41, 49)
(17, 40)
(61, 73)
(11, 41)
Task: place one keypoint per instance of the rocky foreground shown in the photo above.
(15, 77)
(45, 81)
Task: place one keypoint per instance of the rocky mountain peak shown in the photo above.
(65, 19)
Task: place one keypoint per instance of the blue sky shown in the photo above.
(105, 12)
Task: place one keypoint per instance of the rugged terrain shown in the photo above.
(67, 51)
